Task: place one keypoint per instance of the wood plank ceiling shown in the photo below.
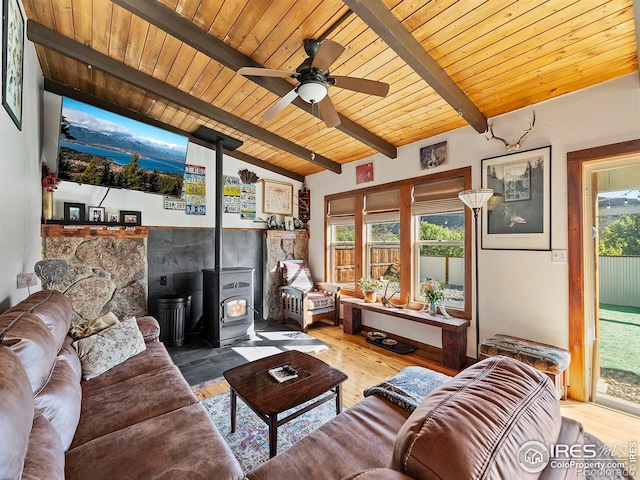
(503, 55)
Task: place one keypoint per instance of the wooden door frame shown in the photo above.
(575, 193)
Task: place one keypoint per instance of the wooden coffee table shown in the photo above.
(268, 398)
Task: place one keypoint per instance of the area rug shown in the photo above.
(250, 441)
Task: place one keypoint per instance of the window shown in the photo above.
(342, 262)
(439, 253)
(343, 254)
(414, 228)
(383, 248)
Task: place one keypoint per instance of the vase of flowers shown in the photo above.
(369, 287)
(431, 291)
(49, 184)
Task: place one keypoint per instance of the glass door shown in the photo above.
(615, 260)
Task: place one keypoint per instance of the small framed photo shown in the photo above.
(74, 212)
(130, 217)
(96, 214)
(364, 173)
(113, 218)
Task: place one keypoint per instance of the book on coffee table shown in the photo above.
(283, 373)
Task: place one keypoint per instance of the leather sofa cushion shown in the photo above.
(34, 344)
(159, 447)
(480, 418)
(16, 414)
(45, 455)
(54, 310)
(358, 439)
(135, 400)
(155, 356)
(59, 400)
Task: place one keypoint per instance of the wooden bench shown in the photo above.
(454, 330)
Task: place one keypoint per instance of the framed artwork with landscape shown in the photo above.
(277, 198)
(518, 215)
(12, 59)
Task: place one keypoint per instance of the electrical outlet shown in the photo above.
(27, 280)
(559, 256)
(163, 280)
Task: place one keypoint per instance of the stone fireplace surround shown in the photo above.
(121, 271)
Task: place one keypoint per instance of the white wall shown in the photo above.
(20, 185)
(151, 205)
(521, 292)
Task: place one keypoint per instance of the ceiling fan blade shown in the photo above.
(362, 85)
(328, 53)
(265, 72)
(328, 112)
(280, 105)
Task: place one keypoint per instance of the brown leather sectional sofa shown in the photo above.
(138, 420)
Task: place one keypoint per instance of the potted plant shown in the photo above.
(369, 286)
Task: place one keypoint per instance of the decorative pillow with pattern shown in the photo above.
(108, 348)
(85, 329)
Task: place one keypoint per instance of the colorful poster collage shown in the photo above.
(248, 201)
(231, 194)
(194, 187)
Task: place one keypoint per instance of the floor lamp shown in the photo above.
(476, 199)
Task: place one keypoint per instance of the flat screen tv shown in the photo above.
(98, 147)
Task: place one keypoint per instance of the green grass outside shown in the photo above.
(620, 338)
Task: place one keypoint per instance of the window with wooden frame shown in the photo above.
(382, 219)
(439, 253)
(341, 220)
(363, 223)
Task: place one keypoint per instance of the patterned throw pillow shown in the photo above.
(84, 329)
(108, 348)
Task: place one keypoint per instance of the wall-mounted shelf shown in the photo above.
(80, 230)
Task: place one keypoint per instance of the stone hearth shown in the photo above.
(105, 274)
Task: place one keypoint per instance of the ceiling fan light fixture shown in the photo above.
(312, 92)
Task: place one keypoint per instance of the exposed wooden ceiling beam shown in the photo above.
(382, 21)
(166, 19)
(59, 43)
(69, 92)
(636, 21)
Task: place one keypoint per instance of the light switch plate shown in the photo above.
(27, 280)
(559, 256)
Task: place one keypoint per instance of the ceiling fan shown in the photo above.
(314, 80)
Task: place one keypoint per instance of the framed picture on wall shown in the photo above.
(130, 217)
(74, 212)
(12, 59)
(277, 198)
(518, 215)
(97, 214)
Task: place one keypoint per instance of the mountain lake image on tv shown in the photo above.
(98, 147)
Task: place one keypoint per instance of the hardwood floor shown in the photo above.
(367, 365)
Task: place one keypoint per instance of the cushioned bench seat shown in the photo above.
(547, 358)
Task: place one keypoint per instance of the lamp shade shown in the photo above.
(475, 198)
(312, 92)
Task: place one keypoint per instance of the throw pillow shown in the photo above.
(108, 348)
(85, 329)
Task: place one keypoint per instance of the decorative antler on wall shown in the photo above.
(515, 146)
